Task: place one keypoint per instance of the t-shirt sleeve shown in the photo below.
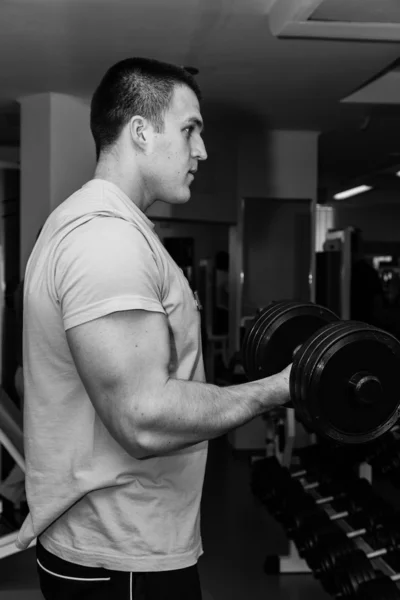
(103, 266)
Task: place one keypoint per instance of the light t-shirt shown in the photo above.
(90, 502)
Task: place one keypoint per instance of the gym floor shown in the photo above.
(237, 536)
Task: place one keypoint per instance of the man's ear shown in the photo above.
(140, 132)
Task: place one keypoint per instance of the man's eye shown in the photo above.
(189, 130)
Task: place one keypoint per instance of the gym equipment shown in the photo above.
(300, 512)
(381, 588)
(11, 438)
(287, 498)
(352, 572)
(332, 550)
(343, 381)
(308, 539)
(360, 500)
(270, 479)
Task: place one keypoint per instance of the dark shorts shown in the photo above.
(63, 580)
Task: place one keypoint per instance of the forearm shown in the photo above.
(185, 413)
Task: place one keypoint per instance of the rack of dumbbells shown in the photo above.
(346, 533)
(343, 390)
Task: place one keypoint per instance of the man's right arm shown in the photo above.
(123, 360)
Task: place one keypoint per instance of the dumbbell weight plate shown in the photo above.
(302, 365)
(330, 550)
(267, 317)
(334, 548)
(350, 573)
(252, 331)
(335, 410)
(381, 588)
(277, 333)
(256, 331)
(315, 346)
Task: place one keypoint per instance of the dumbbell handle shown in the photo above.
(377, 553)
(336, 517)
(299, 473)
(325, 499)
(312, 486)
(319, 501)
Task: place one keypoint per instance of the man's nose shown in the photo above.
(199, 150)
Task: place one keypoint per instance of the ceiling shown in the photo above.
(384, 11)
(66, 45)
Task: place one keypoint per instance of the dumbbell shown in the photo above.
(332, 550)
(292, 497)
(381, 588)
(353, 572)
(330, 581)
(308, 539)
(270, 480)
(298, 520)
(290, 503)
(343, 381)
(299, 504)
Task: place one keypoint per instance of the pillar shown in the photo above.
(57, 158)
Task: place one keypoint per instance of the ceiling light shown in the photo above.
(398, 173)
(352, 192)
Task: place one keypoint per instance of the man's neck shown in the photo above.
(131, 185)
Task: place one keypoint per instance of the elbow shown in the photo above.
(135, 448)
(139, 443)
(146, 446)
(138, 432)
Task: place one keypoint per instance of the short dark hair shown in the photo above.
(134, 86)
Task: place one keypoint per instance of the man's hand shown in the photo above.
(281, 388)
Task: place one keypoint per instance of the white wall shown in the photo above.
(277, 163)
(57, 157)
(73, 156)
(35, 168)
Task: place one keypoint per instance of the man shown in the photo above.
(117, 414)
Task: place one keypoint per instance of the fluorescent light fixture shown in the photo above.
(352, 192)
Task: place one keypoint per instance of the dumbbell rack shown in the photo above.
(284, 451)
(379, 562)
(293, 563)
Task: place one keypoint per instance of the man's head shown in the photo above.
(148, 112)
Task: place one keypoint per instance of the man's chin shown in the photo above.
(182, 199)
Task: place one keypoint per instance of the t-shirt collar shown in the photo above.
(131, 206)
